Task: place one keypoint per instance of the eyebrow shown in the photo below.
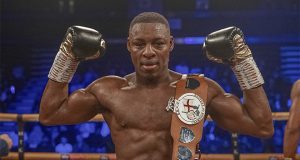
(155, 39)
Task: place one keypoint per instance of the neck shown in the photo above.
(150, 82)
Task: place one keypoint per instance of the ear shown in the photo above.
(171, 43)
(128, 45)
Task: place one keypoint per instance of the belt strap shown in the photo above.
(190, 102)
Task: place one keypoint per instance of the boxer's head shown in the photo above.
(150, 43)
(149, 17)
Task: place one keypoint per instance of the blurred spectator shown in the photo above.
(45, 145)
(63, 146)
(86, 129)
(89, 76)
(13, 135)
(19, 79)
(35, 138)
(4, 96)
(80, 145)
(7, 93)
(182, 68)
(54, 134)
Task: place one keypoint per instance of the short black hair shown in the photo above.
(149, 17)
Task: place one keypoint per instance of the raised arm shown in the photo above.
(292, 129)
(253, 116)
(57, 107)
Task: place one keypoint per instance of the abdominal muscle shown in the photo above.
(136, 144)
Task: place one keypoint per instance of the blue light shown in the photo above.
(190, 40)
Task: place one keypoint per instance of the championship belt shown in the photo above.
(188, 107)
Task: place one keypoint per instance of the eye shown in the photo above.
(159, 44)
(138, 44)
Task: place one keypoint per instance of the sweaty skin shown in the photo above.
(134, 106)
(292, 129)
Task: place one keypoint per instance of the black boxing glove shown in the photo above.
(83, 42)
(228, 46)
(80, 43)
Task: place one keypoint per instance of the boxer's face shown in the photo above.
(150, 45)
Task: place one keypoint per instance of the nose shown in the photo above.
(149, 52)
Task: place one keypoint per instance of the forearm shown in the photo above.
(257, 108)
(255, 100)
(54, 96)
(256, 105)
(291, 139)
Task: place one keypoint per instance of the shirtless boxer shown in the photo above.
(292, 129)
(134, 106)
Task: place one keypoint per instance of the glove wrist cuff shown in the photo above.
(4, 151)
(63, 68)
(248, 74)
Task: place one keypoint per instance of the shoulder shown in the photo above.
(213, 86)
(130, 77)
(175, 75)
(296, 89)
(108, 83)
(297, 84)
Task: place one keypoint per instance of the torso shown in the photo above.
(137, 117)
(138, 120)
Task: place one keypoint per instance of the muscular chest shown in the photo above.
(143, 109)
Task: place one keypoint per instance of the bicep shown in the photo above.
(80, 106)
(227, 111)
